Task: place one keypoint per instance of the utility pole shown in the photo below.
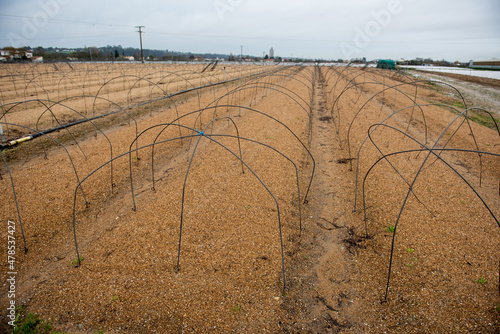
(140, 38)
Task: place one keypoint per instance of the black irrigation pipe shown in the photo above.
(48, 108)
(35, 135)
(45, 132)
(57, 142)
(431, 151)
(40, 133)
(12, 180)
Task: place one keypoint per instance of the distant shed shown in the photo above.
(387, 64)
(493, 64)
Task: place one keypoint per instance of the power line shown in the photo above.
(19, 17)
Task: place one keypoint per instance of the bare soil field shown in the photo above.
(278, 199)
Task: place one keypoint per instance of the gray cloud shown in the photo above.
(449, 29)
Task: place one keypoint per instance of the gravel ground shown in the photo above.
(444, 274)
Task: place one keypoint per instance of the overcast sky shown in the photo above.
(328, 29)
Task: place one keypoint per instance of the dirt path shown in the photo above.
(476, 91)
(322, 295)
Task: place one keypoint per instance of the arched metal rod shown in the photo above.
(441, 150)
(66, 77)
(265, 87)
(292, 77)
(373, 97)
(466, 119)
(291, 161)
(266, 115)
(343, 75)
(57, 142)
(70, 159)
(152, 153)
(134, 208)
(179, 93)
(201, 134)
(48, 108)
(79, 185)
(431, 151)
(351, 84)
(164, 141)
(153, 84)
(395, 169)
(404, 94)
(29, 81)
(138, 81)
(300, 72)
(449, 139)
(127, 76)
(422, 150)
(242, 88)
(165, 95)
(85, 119)
(254, 84)
(128, 106)
(15, 201)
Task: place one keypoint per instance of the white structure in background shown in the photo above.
(271, 53)
(493, 64)
(15, 54)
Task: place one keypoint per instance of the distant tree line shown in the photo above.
(112, 53)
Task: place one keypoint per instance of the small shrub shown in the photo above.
(390, 229)
(31, 324)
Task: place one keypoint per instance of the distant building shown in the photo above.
(492, 64)
(16, 54)
(271, 53)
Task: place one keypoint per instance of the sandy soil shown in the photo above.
(234, 217)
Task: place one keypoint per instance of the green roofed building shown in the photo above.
(386, 64)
